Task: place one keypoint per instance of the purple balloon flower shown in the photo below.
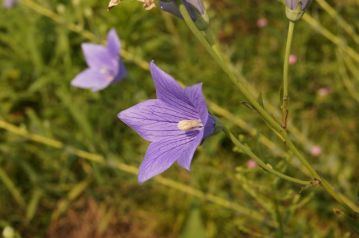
(105, 65)
(292, 4)
(176, 123)
(191, 5)
(9, 3)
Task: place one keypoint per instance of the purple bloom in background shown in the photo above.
(104, 64)
(292, 4)
(9, 3)
(192, 6)
(176, 123)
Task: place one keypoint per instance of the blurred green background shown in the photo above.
(59, 191)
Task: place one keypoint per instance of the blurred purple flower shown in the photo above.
(191, 5)
(9, 3)
(105, 65)
(176, 123)
(292, 4)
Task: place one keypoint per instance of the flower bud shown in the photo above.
(296, 8)
(195, 9)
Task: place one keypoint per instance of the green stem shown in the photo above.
(285, 99)
(262, 164)
(214, 51)
(339, 20)
(10, 185)
(331, 37)
(321, 181)
(115, 163)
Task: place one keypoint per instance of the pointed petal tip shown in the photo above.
(143, 176)
(154, 69)
(113, 44)
(188, 168)
(200, 85)
(78, 81)
(112, 31)
(152, 64)
(121, 116)
(140, 180)
(85, 45)
(185, 163)
(91, 79)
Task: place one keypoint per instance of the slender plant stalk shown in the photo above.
(352, 67)
(6, 180)
(344, 75)
(285, 99)
(262, 164)
(225, 114)
(214, 51)
(339, 19)
(331, 37)
(128, 56)
(315, 24)
(129, 169)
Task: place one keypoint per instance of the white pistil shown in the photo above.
(186, 125)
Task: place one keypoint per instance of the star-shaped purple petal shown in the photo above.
(104, 64)
(193, 6)
(175, 123)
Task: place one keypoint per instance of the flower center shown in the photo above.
(186, 125)
(107, 72)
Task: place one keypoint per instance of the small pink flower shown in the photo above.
(262, 22)
(323, 92)
(316, 151)
(292, 59)
(251, 164)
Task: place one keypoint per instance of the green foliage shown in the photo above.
(194, 225)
